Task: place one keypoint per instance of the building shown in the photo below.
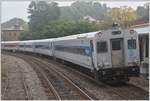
(11, 30)
(141, 26)
(89, 18)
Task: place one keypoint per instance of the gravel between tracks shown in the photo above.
(102, 92)
(140, 82)
(99, 91)
(15, 91)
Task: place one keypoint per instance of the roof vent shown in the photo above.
(116, 29)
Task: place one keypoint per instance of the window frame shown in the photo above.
(72, 49)
(104, 50)
(133, 44)
(117, 47)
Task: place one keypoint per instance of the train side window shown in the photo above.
(116, 45)
(132, 44)
(101, 47)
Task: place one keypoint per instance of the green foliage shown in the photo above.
(66, 27)
(122, 15)
(80, 9)
(41, 13)
(47, 20)
(61, 28)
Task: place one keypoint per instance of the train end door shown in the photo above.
(117, 54)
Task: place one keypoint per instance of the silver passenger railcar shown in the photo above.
(10, 45)
(110, 55)
(44, 47)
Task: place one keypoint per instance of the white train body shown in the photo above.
(114, 52)
(10, 45)
(28, 46)
(108, 53)
(44, 47)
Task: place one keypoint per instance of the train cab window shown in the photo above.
(132, 44)
(101, 47)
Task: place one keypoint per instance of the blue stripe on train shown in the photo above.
(87, 49)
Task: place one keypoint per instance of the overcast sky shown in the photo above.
(11, 9)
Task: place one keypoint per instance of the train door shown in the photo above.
(52, 48)
(92, 56)
(117, 56)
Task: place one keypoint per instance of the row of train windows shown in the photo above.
(101, 47)
(42, 46)
(116, 45)
(74, 49)
(28, 46)
(36, 46)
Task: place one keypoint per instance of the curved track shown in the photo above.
(59, 85)
(126, 92)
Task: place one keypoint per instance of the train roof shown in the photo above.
(43, 40)
(97, 34)
(87, 35)
(10, 41)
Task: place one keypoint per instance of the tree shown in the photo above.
(80, 9)
(59, 28)
(41, 13)
(122, 15)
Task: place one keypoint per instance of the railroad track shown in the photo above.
(27, 93)
(5, 88)
(61, 86)
(125, 92)
(27, 90)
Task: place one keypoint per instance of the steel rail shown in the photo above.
(64, 76)
(52, 88)
(25, 86)
(5, 89)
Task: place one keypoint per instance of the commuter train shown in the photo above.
(110, 55)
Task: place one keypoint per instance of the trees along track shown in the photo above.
(57, 85)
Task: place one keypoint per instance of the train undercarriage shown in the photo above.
(117, 75)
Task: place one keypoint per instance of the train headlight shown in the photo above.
(106, 64)
(100, 66)
(137, 61)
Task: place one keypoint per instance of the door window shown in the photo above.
(116, 45)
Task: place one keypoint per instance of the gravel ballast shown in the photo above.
(15, 91)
